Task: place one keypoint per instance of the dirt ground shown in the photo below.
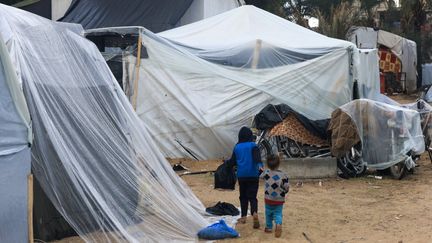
(357, 210)
(362, 210)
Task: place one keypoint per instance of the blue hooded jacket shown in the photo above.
(246, 155)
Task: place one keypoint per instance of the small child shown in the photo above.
(276, 187)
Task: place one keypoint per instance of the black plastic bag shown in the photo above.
(225, 177)
(223, 208)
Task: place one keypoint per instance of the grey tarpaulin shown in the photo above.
(14, 169)
(14, 154)
(154, 15)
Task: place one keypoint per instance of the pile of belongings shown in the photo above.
(281, 120)
(388, 133)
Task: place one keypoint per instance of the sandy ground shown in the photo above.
(341, 211)
(356, 210)
(363, 209)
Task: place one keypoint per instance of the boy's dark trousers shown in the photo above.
(248, 194)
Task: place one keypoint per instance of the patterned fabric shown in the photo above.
(389, 62)
(292, 128)
(276, 186)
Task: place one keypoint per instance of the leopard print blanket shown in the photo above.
(292, 128)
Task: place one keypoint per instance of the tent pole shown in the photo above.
(30, 207)
(256, 54)
(137, 72)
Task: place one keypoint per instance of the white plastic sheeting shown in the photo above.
(202, 82)
(92, 156)
(387, 132)
(15, 135)
(367, 73)
(404, 49)
(239, 36)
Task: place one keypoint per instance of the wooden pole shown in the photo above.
(256, 54)
(137, 72)
(30, 207)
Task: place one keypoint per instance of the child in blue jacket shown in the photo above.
(246, 156)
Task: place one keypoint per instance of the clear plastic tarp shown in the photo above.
(92, 155)
(387, 132)
(198, 84)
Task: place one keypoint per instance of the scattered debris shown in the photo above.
(197, 172)
(179, 167)
(307, 238)
(299, 184)
(320, 183)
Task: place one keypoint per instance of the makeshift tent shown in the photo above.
(196, 85)
(154, 15)
(91, 153)
(404, 49)
(387, 132)
(15, 139)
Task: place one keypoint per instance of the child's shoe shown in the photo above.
(242, 220)
(256, 223)
(267, 230)
(278, 230)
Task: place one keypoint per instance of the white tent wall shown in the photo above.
(404, 49)
(199, 83)
(14, 154)
(183, 98)
(201, 9)
(92, 155)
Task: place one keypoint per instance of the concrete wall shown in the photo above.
(310, 168)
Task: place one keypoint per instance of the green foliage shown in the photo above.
(337, 23)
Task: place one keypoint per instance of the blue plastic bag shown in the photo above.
(217, 231)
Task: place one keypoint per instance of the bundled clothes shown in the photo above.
(246, 156)
(276, 187)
